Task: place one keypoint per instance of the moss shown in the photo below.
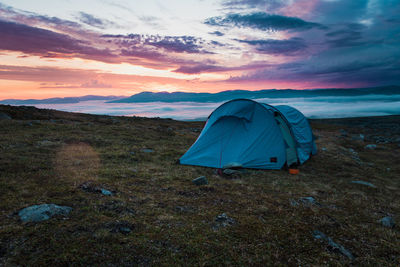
(171, 220)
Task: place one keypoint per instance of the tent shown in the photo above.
(249, 134)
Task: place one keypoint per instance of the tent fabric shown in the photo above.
(301, 130)
(246, 133)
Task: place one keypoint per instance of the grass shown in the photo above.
(46, 155)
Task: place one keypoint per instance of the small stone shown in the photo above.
(387, 222)
(106, 192)
(147, 150)
(309, 201)
(363, 183)
(45, 143)
(202, 180)
(4, 116)
(293, 203)
(370, 146)
(359, 137)
(232, 165)
(125, 230)
(343, 133)
(38, 213)
(333, 245)
(223, 220)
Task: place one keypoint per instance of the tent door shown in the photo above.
(291, 154)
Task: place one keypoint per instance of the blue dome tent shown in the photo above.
(249, 134)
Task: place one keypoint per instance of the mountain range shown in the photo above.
(271, 93)
(145, 97)
(57, 100)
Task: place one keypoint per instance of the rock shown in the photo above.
(293, 202)
(230, 171)
(343, 133)
(195, 130)
(147, 150)
(232, 165)
(324, 149)
(359, 137)
(332, 245)
(202, 180)
(45, 143)
(308, 201)
(120, 227)
(370, 146)
(4, 116)
(354, 155)
(92, 188)
(38, 213)
(387, 222)
(223, 220)
(106, 192)
(363, 183)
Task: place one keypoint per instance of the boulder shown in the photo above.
(202, 180)
(38, 213)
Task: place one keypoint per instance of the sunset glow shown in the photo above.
(100, 47)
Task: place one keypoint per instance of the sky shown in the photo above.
(101, 47)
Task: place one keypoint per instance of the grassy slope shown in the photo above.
(45, 161)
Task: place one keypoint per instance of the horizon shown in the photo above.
(104, 48)
(126, 96)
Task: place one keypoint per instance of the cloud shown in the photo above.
(152, 21)
(46, 43)
(268, 5)
(262, 21)
(200, 68)
(217, 33)
(177, 44)
(95, 84)
(270, 46)
(93, 21)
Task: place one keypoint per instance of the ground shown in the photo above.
(157, 216)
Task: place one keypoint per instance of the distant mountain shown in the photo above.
(57, 100)
(271, 93)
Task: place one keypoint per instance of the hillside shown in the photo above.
(133, 205)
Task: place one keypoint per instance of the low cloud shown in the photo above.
(315, 107)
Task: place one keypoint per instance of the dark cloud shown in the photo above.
(383, 71)
(267, 5)
(262, 21)
(270, 46)
(200, 68)
(93, 21)
(46, 43)
(177, 44)
(217, 33)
